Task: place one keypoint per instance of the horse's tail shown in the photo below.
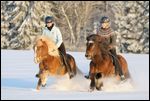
(124, 66)
(73, 65)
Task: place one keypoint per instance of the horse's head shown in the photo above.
(41, 50)
(44, 47)
(95, 45)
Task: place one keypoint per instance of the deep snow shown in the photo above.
(18, 79)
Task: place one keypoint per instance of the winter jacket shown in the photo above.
(54, 34)
(110, 34)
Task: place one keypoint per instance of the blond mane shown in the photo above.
(52, 48)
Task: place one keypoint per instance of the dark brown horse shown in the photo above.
(50, 62)
(101, 64)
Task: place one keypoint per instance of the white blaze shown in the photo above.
(90, 41)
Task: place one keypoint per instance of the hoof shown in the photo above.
(43, 85)
(99, 88)
(38, 88)
(87, 76)
(71, 75)
(37, 75)
(122, 78)
(91, 89)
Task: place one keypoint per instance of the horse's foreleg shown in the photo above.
(98, 81)
(92, 76)
(39, 84)
(92, 84)
(41, 67)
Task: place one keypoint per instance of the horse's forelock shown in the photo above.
(101, 42)
(93, 37)
(52, 48)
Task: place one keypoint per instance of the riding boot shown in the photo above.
(117, 65)
(64, 58)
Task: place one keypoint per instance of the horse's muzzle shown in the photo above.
(87, 56)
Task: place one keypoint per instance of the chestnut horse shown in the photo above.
(49, 59)
(101, 64)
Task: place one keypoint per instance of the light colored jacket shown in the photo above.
(54, 34)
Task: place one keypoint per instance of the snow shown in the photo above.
(18, 79)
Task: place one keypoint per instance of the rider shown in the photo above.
(54, 33)
(106, 31)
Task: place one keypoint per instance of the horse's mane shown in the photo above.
(52, 48)
(101, 41)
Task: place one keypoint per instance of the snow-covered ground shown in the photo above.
(18, 79)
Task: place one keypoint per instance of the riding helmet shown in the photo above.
(104, 19)
(48, 18)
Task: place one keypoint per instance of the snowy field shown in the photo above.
(18, 79)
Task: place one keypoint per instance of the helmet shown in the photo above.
(104, 19)
(48, 18)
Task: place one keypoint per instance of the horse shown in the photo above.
(50, 62)
(101, 65)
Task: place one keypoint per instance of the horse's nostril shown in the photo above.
(44, 85)
(37, 75)
(86, 55)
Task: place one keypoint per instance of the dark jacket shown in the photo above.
(109, 34)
